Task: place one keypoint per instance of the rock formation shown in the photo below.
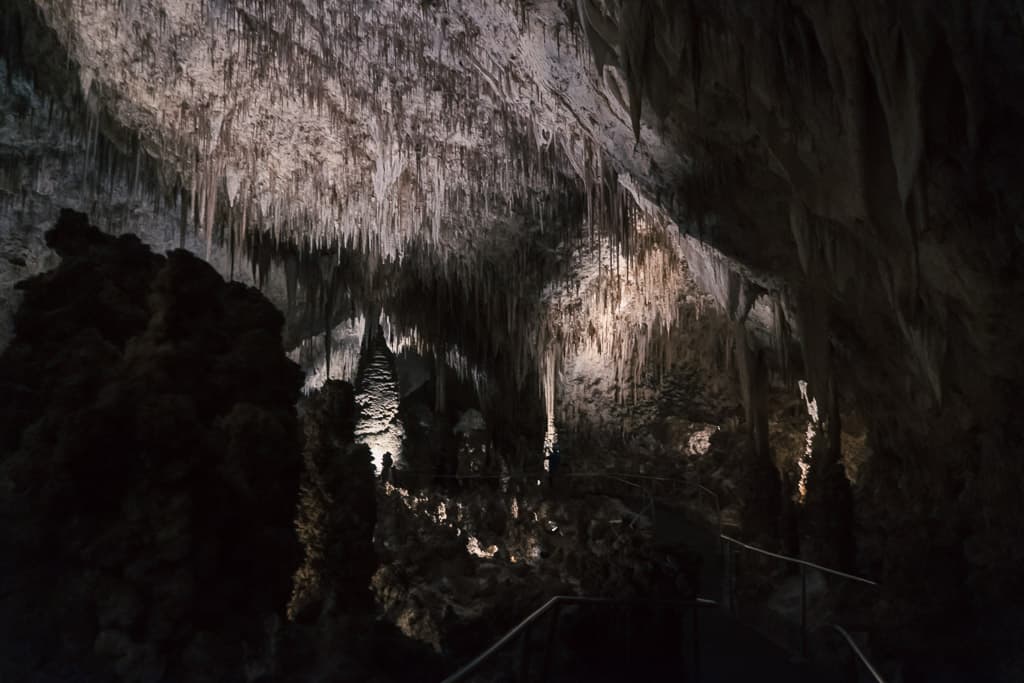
(337, 510)
(149, 466)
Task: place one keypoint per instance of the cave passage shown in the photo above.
(494, 339)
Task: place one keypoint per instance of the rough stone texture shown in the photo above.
(863, 154)
(461, 568)
(70, 146)
(371, 94)
(337, 510)
(852, 167)
(464, 554)
(149, 466)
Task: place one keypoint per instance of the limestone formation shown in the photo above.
(575, 207)
(149, 466)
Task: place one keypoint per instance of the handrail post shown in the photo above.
(552, 632)
(524, 654)
(522, 630)
(859, 657)
(727, 587)
(733, 557)
(803, 611)
(696, 643)
(654, 510)
(723, 549)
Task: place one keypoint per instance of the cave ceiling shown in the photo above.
(824, 173)
(366, 122)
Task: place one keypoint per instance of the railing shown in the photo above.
(703, 490)
(522, 632)
(797, 560)
(647, 494)
(861, 657)
(729, 544)
(732, 544)
(804, 565)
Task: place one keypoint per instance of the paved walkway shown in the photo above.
(730, 651)
(602, 646)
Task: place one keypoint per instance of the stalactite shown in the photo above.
(497, 165)
(292, 58)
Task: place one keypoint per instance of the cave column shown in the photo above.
(762, 488)
(828, 499)
(761, 496)
(330, 292)
(440, 378)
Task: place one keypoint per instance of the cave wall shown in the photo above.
(893, 143)
(863, 156)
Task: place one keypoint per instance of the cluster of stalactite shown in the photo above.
(408, 135)
(620, 306)
(505, 313)
(206, 159)
(52, 132)
(859, 155)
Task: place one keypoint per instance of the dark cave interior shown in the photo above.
(637, 339)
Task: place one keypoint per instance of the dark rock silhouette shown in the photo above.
(150, 464)
(337, 510)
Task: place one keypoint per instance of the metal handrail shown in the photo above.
(718, 506)
(796, 560)
(620, 477)
(526, 623)
(804, 566)
(860, 654)
(541, 473)
(520, 628)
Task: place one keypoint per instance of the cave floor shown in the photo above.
(734, 652)
(729, 649)
(591, 646)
